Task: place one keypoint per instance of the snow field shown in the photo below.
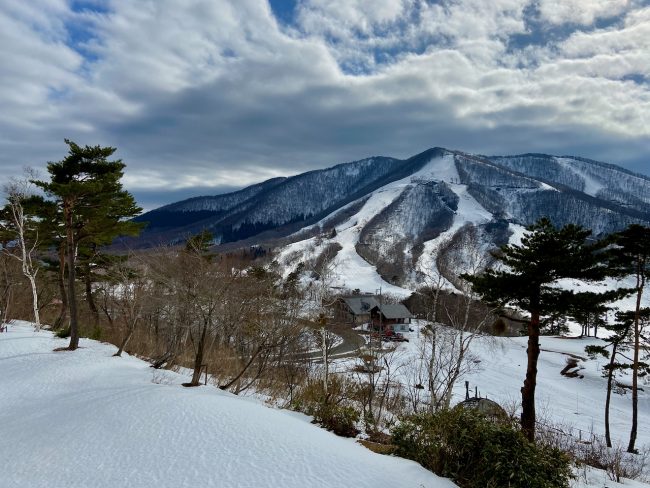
(571, 404)
(87, 419)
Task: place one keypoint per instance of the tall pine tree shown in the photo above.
(633, 257)
(528, 281)
(95, 208)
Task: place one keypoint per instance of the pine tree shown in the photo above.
(633, 256)
(200, 243)
(87, 189)
(588, 310)
(532, 269)
(617, 343)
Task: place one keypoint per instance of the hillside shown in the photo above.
(516, 188)
(87, 419)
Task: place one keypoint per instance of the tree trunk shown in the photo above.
(125, 341)
(89, 295)
(326, 361)
(37, 317)
(63, 310)
(72, 297)
(528, 390)
(610, 380)
(455, 373)
(6, 289)
(198, 358)
(635, 365)
(241, 373)
(26, 260)
(432, 363)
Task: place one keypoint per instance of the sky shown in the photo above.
(207, 96)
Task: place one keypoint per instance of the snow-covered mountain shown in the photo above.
(400, 216)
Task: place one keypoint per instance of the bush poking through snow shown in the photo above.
(589, 449)
(63, 333)
(333, 410)
(340, 419)
(477, 453)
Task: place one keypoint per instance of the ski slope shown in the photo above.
(352, 270)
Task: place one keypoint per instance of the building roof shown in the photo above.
(359, 305)
(394, 311)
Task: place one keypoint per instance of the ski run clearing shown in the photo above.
(87, 419)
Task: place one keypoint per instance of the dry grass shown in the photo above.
(386, 449)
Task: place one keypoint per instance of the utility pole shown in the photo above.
(381, 322)
(323, 320)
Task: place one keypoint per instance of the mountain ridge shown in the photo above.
(511, 190)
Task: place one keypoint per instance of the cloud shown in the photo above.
(220, 94)
(583, 12)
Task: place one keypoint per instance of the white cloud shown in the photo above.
(216, 92)
(583, 12)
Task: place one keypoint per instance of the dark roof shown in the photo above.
(394, 311)
(359, 305)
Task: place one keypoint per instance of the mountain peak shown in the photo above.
(518, 188)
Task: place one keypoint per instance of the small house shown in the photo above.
(354, 310)
(391, 316)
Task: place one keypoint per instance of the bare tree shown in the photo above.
(416, 376)
(17, 192)
(267, 328)
(190, 289)
(326, 340)
(376, 375)
(325, 271)
(446, 349)
(126, 295)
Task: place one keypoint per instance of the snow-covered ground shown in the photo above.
(574, 405)
(500, 370)
(87, 419)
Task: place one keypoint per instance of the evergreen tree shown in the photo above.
(528, 281)
(87, 189)
(589, 310)
(617, 343)
(199, 243)
(633, 257)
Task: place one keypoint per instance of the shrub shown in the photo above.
(63, 333)
(95, 333)
(340, 419)
(475, 452)
(334, 410)
(591, 450)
